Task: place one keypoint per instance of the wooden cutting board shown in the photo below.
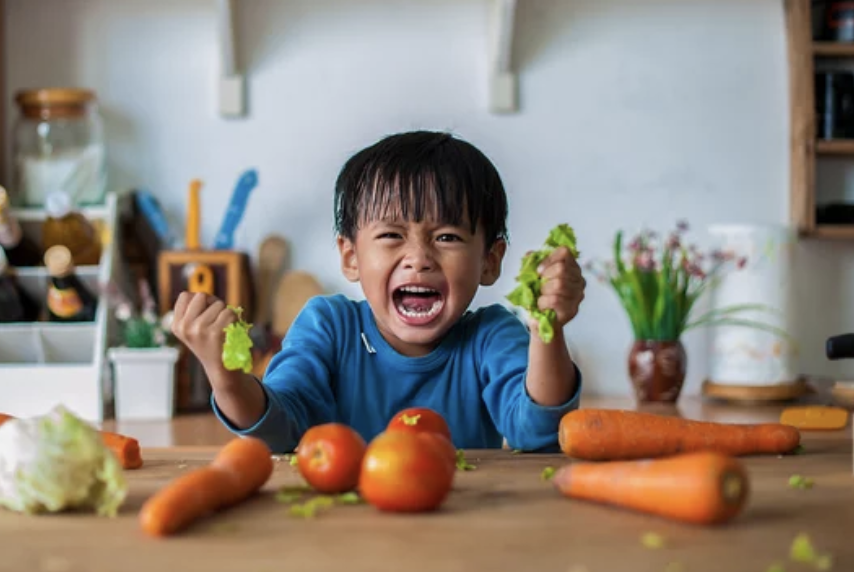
(500, 516)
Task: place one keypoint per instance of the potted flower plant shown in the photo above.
(144, 362)
(658, 283)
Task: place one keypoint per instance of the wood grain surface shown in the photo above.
(500, 516)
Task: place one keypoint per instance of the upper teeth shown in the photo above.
(416, 289)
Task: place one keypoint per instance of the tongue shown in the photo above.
(418, 303)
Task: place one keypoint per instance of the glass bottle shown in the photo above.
(15, 304)
(68, 299)
(68, 227)
(58, 143)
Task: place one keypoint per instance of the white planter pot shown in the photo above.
(144, 382)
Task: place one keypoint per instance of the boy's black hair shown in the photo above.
(406, 172)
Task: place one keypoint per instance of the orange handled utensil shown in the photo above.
(193, 216)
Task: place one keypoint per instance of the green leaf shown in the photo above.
(548, 473)
(529, 282)
(236, 351)
(462, 464)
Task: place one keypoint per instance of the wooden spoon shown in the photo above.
(272, 257)
(294, 290)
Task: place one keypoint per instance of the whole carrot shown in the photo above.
(239, 470)
(611, 435)
(125, 448)
(699, 488)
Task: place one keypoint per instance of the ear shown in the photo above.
(349, 263)
(492, 263)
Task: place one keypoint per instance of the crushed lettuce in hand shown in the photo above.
(236, 352)
(58, 462)
(527, 292)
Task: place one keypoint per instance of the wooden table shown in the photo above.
(501, 516)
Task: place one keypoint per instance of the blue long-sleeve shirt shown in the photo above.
(334, 365)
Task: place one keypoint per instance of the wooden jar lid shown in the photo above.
(54, 102)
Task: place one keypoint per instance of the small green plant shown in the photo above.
(658, 283)
(139, 324)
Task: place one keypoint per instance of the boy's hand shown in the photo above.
(563, 286)
(199, 321)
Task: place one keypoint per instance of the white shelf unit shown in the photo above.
(43, 363)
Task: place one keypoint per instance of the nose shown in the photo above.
(419, 258)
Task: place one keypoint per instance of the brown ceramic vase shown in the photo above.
(657, 370)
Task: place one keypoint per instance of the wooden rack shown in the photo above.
(805, 148)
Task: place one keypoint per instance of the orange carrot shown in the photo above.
(125, 448)
(612, 435)
(239, 470)
(698, 488)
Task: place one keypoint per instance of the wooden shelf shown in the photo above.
(833, 232)
(835, 147)
(833, 49)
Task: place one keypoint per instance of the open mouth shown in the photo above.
(418, 304)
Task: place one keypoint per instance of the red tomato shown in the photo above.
(406, 472)
(417, 419)
(329, 457)
(443, 444)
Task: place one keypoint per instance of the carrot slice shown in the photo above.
(699, 488)
(125, 448)
(815, 417)
(612, 435)
(238, 471)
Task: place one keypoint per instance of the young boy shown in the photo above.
(420, 219)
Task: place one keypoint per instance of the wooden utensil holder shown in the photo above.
(232, 283)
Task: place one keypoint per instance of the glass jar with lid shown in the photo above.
(58, 145)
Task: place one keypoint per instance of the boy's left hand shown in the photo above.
(563, 285)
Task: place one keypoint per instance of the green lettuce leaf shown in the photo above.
(236, 351)
(58, 462)
(529, 282)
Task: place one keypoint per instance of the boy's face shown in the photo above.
(418, 277)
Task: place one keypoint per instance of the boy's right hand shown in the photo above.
(198, 322)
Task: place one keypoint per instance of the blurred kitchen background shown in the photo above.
(631, 114)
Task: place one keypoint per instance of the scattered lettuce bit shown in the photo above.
(548, 473)
(293, 460)
(527, 291)
(799, 482)
(802, 550)
(58, 462)
(351, 497)
(516, 452)
(652, 540)
(310, 507)
(291, 494)
(462, 464)
(236, 352)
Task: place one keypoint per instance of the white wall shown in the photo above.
(633, 112)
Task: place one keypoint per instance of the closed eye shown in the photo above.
(389, 235)
(449, 238)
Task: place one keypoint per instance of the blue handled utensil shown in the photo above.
(224, 239)
(153, 214)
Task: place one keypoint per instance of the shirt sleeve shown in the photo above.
(525, 424)
(297, 383)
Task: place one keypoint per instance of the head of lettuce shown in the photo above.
(58, 462)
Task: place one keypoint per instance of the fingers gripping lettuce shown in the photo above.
(529, 281)
(58, 462)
